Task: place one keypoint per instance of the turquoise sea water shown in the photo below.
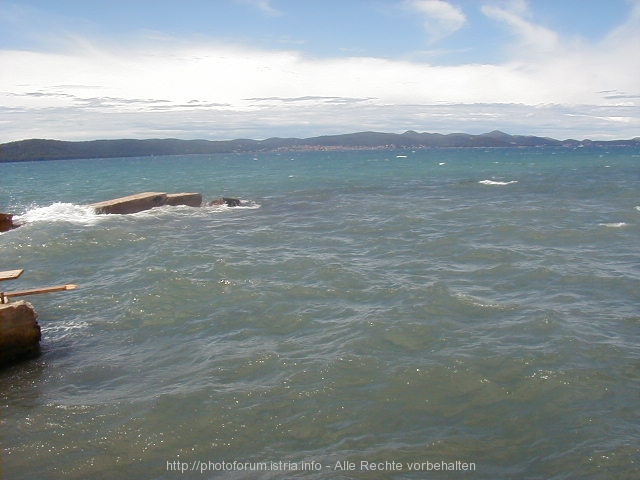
(362, 309)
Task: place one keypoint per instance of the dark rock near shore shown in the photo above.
(6, 222)
(19, 332)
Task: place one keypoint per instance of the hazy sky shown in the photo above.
(222, 69)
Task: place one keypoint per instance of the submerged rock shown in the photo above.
(229, 202)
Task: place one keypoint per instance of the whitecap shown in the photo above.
(250, 205)
(61, 330)
(60, 212)
(244, 205)
(614, 225)
(494, 182)
(638, 207)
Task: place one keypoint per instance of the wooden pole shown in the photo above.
(35, 291)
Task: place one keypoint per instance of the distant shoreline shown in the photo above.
(41, 150)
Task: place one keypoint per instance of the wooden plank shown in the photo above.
(11, 274)
(35, 291)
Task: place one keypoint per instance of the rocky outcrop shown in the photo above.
(188, 199)
(19, 332)
(6, 222)
(146, 201)
(229, 202)
(131, 204)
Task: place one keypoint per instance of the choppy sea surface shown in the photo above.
(462, 313)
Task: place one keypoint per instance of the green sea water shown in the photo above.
(454, 313)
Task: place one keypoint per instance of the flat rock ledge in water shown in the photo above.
(19, 332)
(146, 201)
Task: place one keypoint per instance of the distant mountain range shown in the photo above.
(37, 149)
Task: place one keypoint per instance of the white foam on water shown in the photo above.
(494, 182)
(244, 205)
(614, 224)
(85, 215)
(62, 330)
(60, 212)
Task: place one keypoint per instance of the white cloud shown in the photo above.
(229, 75)
(263, 5)
(178, 72)
(572, 70)
(533, 37)
(165, 87)
(441, 18)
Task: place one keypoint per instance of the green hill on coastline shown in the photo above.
(40, 149)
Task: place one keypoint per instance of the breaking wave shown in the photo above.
(494, 182)
(614, 224)
(60, 212)
(244, 205)
(85, 215)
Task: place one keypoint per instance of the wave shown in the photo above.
(60, 212)
(494, 182)
(86, 215)
(244, 205)
(614, 225)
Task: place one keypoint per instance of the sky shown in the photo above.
(225, 69)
